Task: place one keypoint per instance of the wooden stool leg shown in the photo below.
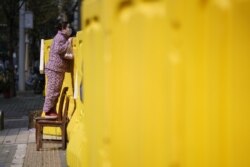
(41, 137)
(63, 137)
(37, 136)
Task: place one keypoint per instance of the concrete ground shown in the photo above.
(17, 141)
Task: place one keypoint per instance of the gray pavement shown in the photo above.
(17, 141)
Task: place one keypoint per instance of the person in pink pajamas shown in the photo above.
(55, 68)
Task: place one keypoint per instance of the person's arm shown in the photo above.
(60, 45)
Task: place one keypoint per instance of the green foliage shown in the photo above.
(45, 14)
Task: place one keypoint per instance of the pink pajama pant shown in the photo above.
(54, 85)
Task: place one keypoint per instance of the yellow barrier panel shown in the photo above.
(238, 90)
(75, 85)
(77, 146)
(92, 77)
(140, 119)
(161, 83)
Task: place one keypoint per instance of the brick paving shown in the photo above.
(17, 142)
(49, 156)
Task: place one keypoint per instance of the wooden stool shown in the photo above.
(60, 122)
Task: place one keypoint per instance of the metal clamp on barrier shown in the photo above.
(1, 120)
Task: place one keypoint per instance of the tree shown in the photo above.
(45, 15)
(10, 10)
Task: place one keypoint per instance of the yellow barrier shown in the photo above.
(161, 83)
(77, 145)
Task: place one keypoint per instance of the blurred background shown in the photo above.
(154, 83)
(23, 23)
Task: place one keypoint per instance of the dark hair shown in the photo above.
(62, 25)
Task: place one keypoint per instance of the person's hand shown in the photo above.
(70, 39)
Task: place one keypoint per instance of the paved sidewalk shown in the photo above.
(17, 142)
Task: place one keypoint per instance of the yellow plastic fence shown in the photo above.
(161, 83)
